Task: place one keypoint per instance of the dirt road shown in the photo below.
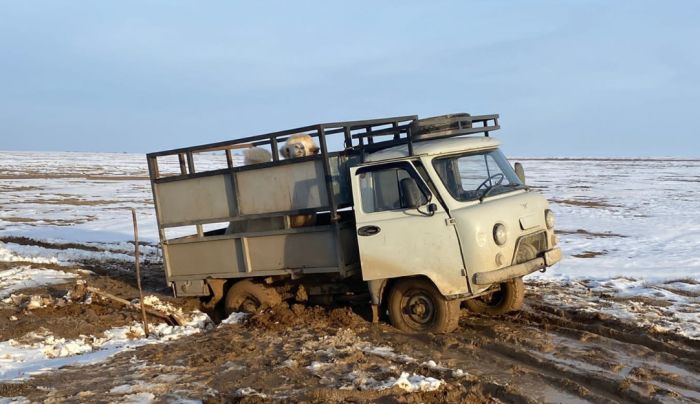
(546, 353)
(320, 355)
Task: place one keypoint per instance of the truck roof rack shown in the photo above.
(370, 135)
(437, 127)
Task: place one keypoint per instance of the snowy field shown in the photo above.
(637, 219)
(629, 231)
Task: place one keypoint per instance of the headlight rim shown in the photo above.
(549, 219)
(498, 239)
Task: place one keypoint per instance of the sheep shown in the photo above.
(256, 155)
(299, 145)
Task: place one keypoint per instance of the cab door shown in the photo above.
(397, 240)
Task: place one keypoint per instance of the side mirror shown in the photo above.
(412, 197)
(520, 172)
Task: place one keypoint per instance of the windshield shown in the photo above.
(477, 175)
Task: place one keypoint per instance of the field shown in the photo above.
(617, 320)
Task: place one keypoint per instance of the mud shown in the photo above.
(313, 354)
(66, 321)
(589, 234)
(45, 244)
(295, 353)
(586, 203)
(589, 254)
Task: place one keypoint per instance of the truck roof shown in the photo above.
(437, 146)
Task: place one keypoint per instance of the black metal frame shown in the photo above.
(364, 133)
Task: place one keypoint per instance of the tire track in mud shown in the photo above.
(619, 367)
(569, 357)
(591, 322)
(528, 374)
(542, 354)
(277, 355)
(658, 363)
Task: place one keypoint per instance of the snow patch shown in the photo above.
(138, 398)
(21, 360)
(234, 318)
(24, 277)
(12, 252)
(414, 382)
(249, 391)
(659, 306)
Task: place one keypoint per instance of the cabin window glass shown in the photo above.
(381, 191)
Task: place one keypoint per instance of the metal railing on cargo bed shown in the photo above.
(187, 194)
(359, 137)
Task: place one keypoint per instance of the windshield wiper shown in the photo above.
(516, 186)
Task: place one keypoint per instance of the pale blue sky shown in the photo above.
(569, 78)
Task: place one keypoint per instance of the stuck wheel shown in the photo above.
(250, 297)
(509, 298)
(415, 305)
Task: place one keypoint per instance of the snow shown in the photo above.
(19, 360)
(315, 366)
(248, 391)
(121, 389)
(14, 400)
(165, 307)
(629, 230)
(645, 218)
(83, 197)
(12, 252)
(409, 382)
(345, 342)
(234, 318)
(24, 277)
(649, 208)
(138, 398)
(413, 382)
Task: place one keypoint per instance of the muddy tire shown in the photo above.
(509, 298)
(416, 306)
(247, 296)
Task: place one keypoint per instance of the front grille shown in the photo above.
(530, 247)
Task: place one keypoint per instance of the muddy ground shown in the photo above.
(332, 354)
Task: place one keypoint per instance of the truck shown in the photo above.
(418, 218)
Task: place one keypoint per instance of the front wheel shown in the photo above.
(415, 305)
(509, 298)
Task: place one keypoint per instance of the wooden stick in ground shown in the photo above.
(138, 271)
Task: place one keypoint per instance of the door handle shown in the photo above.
(368, 230)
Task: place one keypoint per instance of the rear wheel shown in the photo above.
(250, 297)
(415, 305)
(509, 298)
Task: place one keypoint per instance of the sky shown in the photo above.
(569, 78)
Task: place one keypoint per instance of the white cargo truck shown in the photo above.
(416, 216)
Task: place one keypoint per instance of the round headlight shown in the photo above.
(549, 219)
(499, 234)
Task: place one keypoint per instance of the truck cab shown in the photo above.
(472, 226)
(421, 224)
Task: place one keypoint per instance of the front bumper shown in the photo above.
(550, 258)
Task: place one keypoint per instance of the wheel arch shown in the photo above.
(387, 284)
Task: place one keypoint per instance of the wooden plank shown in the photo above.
(169, 318)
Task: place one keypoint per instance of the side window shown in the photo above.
(381, 189)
